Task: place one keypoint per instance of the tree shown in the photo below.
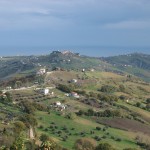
(18, 144)
(44, 138)
(104, 146)
(138, 104)
(5, 98)
(108, 89)
(148, 106)
(121, 88)
(71, 116)
(90, 112)
(30, 145)
(19, 126)
(18, 84)
(28, 120)
(48, 144)
(85, 144)
(148, 100)
(65, 88)
(27, 107)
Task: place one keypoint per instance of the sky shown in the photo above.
(93, 27)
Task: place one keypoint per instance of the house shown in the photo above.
(92, 70)
(41, 71)
(83, 70)
(8, 88)
(67, 94)
(74, 94)
(58, 105)
(44, 91)
(74, 81)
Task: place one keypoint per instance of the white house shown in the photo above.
(92, 70)
(58, 103)
(41, 71)
(83, 70)
(44, 91)
(74, 80)
(59, 106)
(75, 95)
(8, 88)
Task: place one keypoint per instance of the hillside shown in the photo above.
(23, 65)
(110, 108)
(135, 64)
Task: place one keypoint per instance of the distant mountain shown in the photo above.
(136, 64)
(135, 60)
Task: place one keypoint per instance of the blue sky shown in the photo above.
(37, 26)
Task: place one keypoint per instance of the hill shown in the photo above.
(111, 108)
(23, 65)
(136, 64)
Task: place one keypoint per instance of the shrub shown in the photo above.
(65, 88)
(121, 88)
(148, 100)
(108, 89)
(98, 128)
(104, 146)
(138, 104)
(85, 144)
(71, 116)
(119, 139)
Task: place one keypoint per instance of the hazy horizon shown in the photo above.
(96, 51)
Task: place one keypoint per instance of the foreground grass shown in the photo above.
(79, 125)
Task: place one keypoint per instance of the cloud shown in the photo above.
(77, 12)
(76, 20)
(131, 24)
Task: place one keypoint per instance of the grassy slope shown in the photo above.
(81, 124)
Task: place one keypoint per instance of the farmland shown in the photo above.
(107, 107)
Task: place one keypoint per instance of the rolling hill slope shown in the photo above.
(135, 64)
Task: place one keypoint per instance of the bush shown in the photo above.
(104, 146)
(121, 88)
(85, 144)
(148, 100)
(80, 113)
(71, 116)
(44, 138)
(98, 128)
(108, 89)
(65, 88)
(119, 139)
(138, 104)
